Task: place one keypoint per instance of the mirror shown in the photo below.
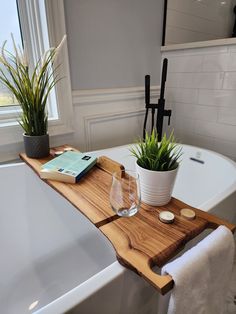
(188, 21)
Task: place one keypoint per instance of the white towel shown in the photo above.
(202, 275)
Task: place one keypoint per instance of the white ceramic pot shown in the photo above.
(156, 186)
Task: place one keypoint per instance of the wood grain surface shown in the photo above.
(141, 241)
(90, 195)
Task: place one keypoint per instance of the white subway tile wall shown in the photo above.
(201, 91)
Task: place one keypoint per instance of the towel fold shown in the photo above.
(202, 275)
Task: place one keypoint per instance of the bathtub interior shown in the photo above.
(49, 247)
(53, 258)
(196, 183)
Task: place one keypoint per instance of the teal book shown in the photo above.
(68, 167)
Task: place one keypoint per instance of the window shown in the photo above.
(42, 25)
(8, 16)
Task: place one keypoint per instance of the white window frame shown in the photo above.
(32, 31)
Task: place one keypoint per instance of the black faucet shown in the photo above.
(160, 106)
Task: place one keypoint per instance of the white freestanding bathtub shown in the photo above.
(54, 260)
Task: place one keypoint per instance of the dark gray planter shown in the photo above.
(36, 146)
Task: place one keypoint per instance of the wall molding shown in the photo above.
(96, 110)
(91, 96)
(92, 120)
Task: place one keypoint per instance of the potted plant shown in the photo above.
(157, 165)
(31, 86)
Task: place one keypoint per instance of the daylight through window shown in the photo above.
(9, 16)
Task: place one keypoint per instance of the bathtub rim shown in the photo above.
(206, 206)
(8, 165)
(179, 144)
(80, 293)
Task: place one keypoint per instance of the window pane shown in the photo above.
(9, 23)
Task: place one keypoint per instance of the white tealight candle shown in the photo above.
(166, 217)
(58, 153)
(68, 149)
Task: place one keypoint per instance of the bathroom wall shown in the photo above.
(198, 20)
(113, 43)
(112, 46)
(201, 89)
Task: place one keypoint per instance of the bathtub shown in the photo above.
(55, 261)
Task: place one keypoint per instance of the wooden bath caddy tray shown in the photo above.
(141, 241)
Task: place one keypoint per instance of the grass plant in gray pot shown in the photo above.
(31, 86)
(157, 165)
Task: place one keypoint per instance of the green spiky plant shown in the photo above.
(30, 85)
(157, 156)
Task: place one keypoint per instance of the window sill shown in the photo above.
(11, 132)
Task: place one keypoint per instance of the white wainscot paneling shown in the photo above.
(113, 129)
(106, 118)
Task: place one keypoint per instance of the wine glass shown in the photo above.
(125, 193)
